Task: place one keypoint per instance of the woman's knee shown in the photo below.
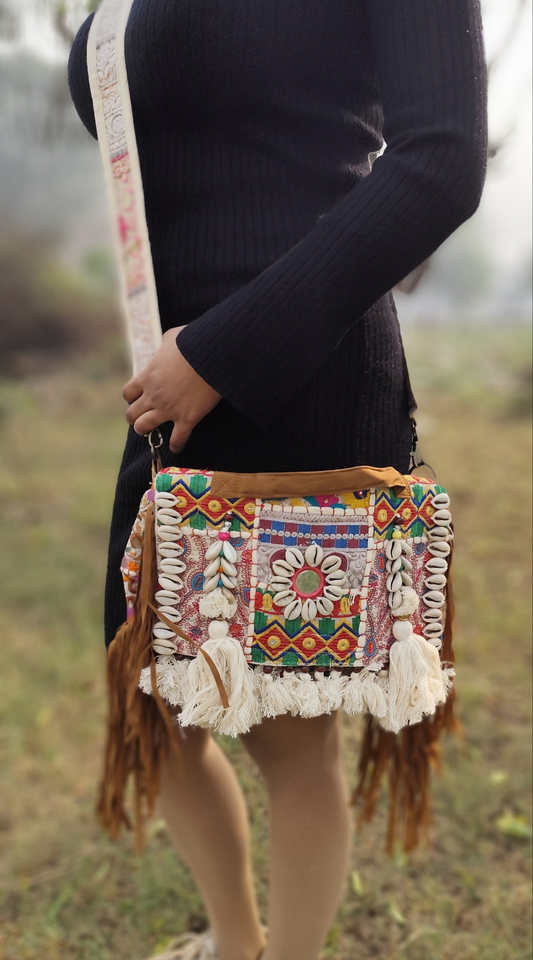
(286, 747)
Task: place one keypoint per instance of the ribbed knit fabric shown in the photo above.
(272, 238)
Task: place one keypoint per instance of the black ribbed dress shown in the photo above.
(272, 236)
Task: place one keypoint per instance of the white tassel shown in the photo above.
(363, 693)
(172, 680)
(204, 706)
(415, 677)
(292, 682)
(353, 695)
(409, 602)
(374, 698)
(331, 690)
(215, 604)
(310, 703)
(276, 697)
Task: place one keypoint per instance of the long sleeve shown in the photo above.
(262, 344)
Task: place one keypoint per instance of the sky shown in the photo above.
(505, 213)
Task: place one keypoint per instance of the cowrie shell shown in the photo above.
(166, 596)
(330, 564)
(336, 576)
(442, 518)
(394, 582)
(439, 533)
(406, 547)
(161, 630)
(406, 564)
(439, 548)
(432, 614)
(309, 610)
(432, 629)
(169, 518)
(293, 609)
(294, 557)
(437, 565)
(393, 566)
(164, 649)
(210, 584)
(435, 581)
(314, 555)
(229, 552)
(283, 568)
(212, 568)
(407, 580)
(435, 642)
(441, 500)
(333, 592)
(229, 568)
(170, 583)
(324, 606)
(172, 566)
(229, 582)
(284, 597)
(169, 550)
(280, 583)
(168, 533)
(395, 599)
(170, 613)
(165, 498)
(214, 550)
(434, 598)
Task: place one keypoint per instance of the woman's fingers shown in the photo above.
(132, 391)
(138, 407)
(179, 436)
(148, 421)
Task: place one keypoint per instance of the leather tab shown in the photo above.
(307, 483)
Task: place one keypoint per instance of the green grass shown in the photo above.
(68, 892)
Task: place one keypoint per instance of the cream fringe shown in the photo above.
(413, 687)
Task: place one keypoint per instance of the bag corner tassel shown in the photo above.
(139, 727)
(407, 758)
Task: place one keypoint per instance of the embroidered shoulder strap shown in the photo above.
(116, 134)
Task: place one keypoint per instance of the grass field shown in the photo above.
(66, 891)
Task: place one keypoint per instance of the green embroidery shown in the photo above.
(163, 482)
(355, 624)
(258, 656)
(292, 627)
(323, 660)
(417, 529)
(290, 658)
(417, 491)
(197, 485)
(260, 621)
(198, 521)
(326, 627)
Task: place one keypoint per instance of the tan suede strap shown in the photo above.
(307, 483)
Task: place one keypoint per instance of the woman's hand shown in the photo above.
(168, 389)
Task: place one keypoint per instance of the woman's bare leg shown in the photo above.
(309, 830)
(205, 811)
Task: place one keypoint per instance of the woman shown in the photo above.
(275, 244)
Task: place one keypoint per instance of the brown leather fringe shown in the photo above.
(140, 728)
(406, 759)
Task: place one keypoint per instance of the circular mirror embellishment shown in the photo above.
(307, 584)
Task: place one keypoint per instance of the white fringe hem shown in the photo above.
(270, 694)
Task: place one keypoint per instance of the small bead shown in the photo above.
(396, 534)
(223, 535)
(267, 669)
